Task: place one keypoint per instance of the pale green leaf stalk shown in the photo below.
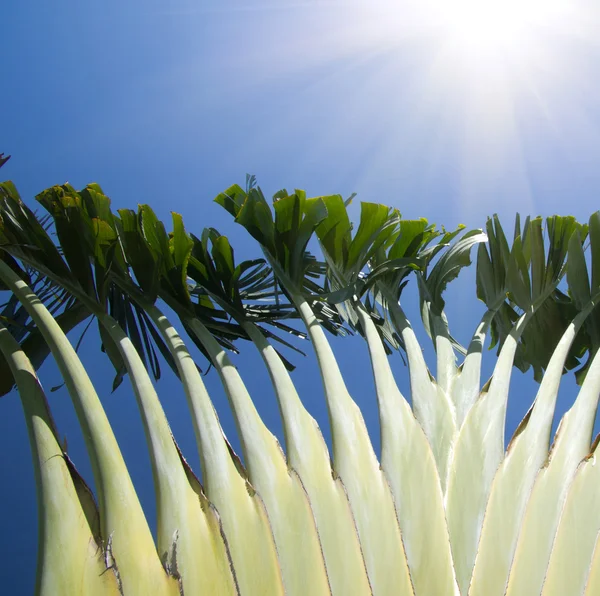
(242, 512)
(414, 481)
(298, 546)
(70, 560)
(467, 382)
(122, 520)
(446, 358)
(514, 479)
(592, 586)
(575, 558)
(308, 454)
(571, 446)
(184, 528)
(478, 452)
(432, 406)
(355, 461)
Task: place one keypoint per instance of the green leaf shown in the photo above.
(255, 215)
(413, 235)
(538, 257)
(9, 190)
(486, 281)
(517, 276)
(334, 230)
(449, 265)
(314, 212)
(232, 199)
(577, 273)
(144, 261)
(594, 227)
(74, 231)
(374, 219)
(180, 248)
(155, 235)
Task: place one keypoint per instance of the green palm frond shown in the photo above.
(284, 234)
(246, 291)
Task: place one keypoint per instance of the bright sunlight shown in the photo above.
(497, 27)
(488, 73)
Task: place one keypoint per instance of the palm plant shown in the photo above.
(448, 510)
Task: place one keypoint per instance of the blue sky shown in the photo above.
(170, 102)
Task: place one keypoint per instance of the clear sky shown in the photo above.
(452, 111)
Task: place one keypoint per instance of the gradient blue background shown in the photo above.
(171, 102)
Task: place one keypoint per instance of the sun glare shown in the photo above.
(498, 26)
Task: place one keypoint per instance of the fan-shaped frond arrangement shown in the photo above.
(447, 511)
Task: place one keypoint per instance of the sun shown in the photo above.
(476, 31)
(500, 27)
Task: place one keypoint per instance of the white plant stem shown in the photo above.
(512, 484)
(121, 516)
(423, 521)
(184, 528)
(355, 461)
(432, 406)
(308, 454)
(286, 503)
(241, 511)
(69, 555)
